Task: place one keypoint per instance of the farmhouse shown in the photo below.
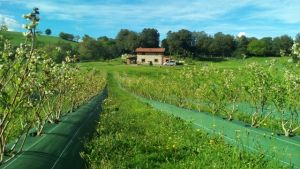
(155, 56)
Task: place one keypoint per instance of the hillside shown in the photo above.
(17, 38)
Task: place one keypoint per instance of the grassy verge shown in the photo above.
(133, 135)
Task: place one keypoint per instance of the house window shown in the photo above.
(143, 60)
(155, 60)
(167, 60)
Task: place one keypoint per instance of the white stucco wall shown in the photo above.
(149, 58)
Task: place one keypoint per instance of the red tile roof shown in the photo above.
(150, 50)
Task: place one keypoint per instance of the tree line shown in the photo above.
(182, 43)
(200, 44)
(126, 41)
(185, 43)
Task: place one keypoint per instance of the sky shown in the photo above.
(259, 18)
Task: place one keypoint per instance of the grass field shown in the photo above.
(17, 38)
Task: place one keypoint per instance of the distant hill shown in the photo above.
(17, 38)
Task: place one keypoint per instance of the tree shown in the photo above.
(48, 31)
(297, 38)
(149, 38)
(269, 50)
(127, 41)
(59, 51)
(180, 42)
(66, 36)
(257, 47)
(223, 45)
(202, 43)
(164, 44)
(241, 46)
(88, 49)
(282, 44)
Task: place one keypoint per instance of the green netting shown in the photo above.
(286, 150)
(241, 107)
(59, 147)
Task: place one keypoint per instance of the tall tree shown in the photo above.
(257, 47)
(223, 45)
(241, 44)
(202, 43)
(283, 44)
(180, 42)
(149, 38)
(269, 50)
(48, 31)
(127, 41)
(89, 48)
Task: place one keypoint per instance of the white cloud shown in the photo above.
(241, 34)
(10, 22)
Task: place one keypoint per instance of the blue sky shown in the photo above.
(99, 18)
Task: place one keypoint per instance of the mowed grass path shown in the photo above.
(131, 134)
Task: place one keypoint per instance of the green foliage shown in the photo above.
(127, 41)
(295, 52)
(35, 90)
(48, 31)
(257, 48)
(203, 44)
(66, 36)
(149, 38)
(282, 44)
(58, 51)
(223, 45)
(101, 49)
(297, 38)
(180, 42)
(243, 94)
(258, 87)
